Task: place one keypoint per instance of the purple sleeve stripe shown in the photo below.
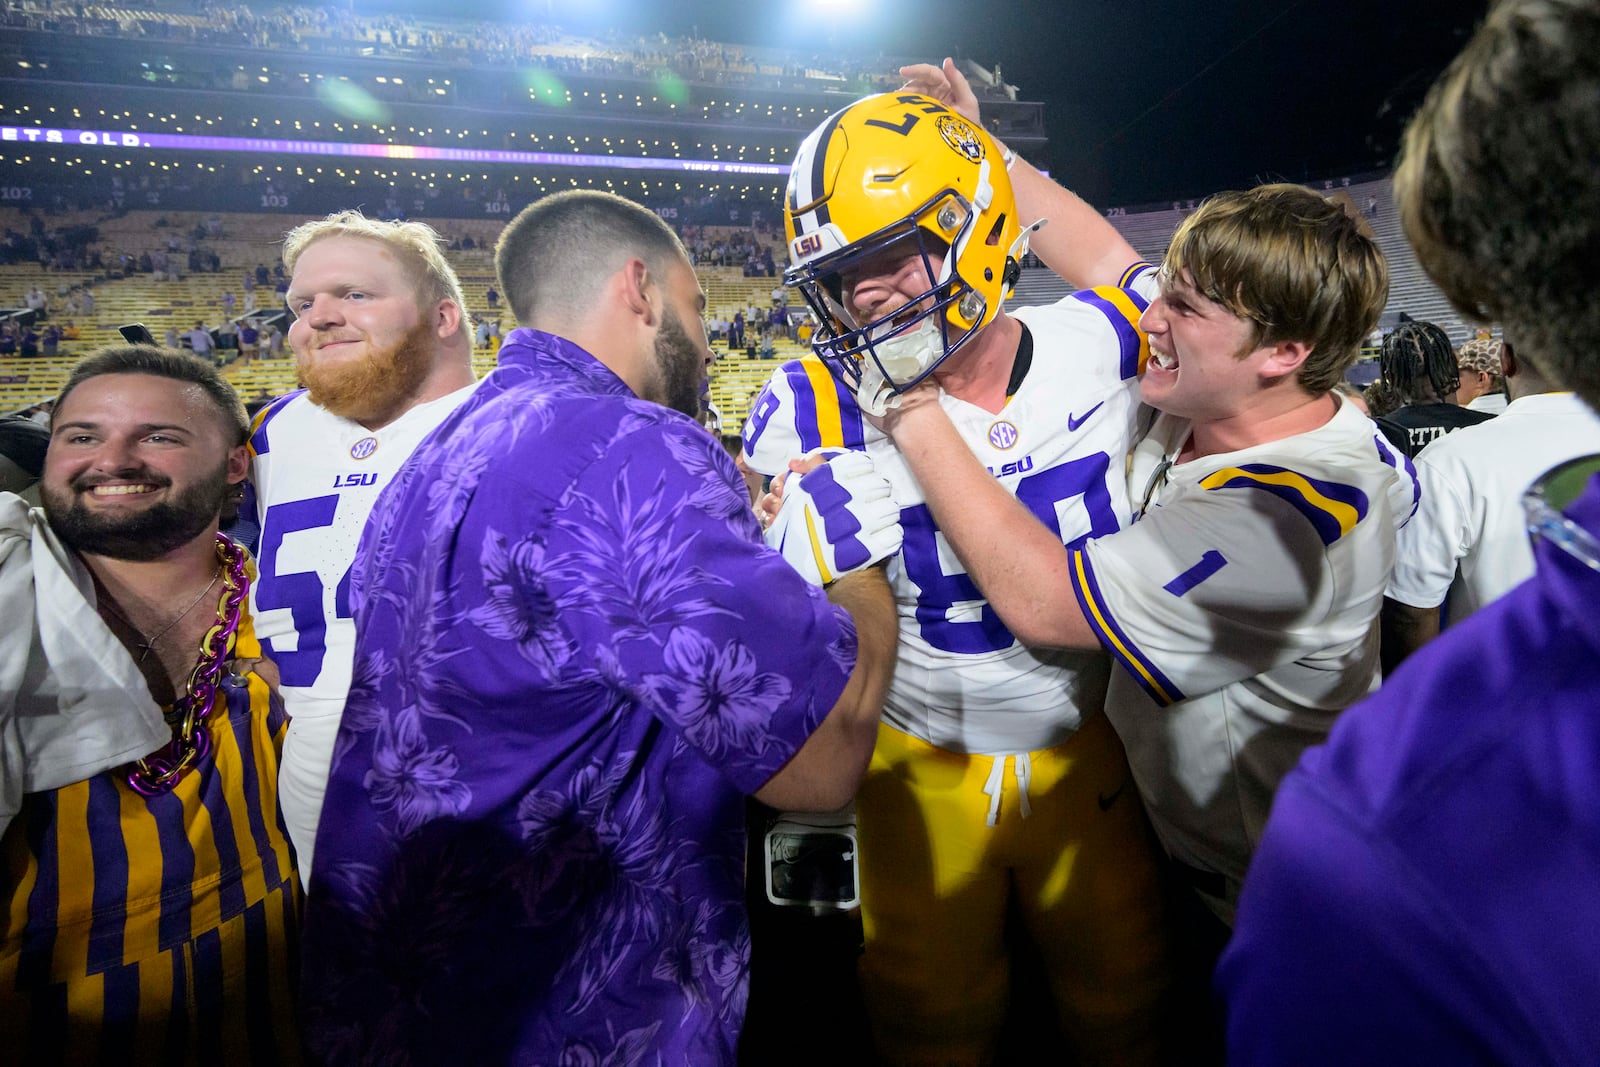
(258, 432)
(1121, 647)
(1131, 275)
(1122, 309)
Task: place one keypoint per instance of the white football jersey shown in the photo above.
(1469, 543)
(316, 477)
(1059, 445)
(1242, 604)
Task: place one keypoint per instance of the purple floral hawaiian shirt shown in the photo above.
(574, 659)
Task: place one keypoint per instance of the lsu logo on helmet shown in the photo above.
(962, 136)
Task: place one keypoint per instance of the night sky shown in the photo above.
(1145, 100)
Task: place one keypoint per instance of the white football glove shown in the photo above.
(836, 519)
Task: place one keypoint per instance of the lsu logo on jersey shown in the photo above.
(1020, 466)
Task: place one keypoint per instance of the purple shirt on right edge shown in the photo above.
(1428, 886)
(574, 658)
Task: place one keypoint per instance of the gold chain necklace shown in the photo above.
(160, 771)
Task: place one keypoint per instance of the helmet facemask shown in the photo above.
(904, 343)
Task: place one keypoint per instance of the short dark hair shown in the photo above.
(1497, 185)
(1419, 361)
(164, 363)
(553, 258)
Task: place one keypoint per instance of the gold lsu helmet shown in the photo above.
(900, 174)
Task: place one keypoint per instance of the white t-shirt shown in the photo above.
(1494, 402)
(1242, 607)
(316, 478)
(963, 682)
(1468, 544)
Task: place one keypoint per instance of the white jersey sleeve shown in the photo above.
(802, 408)
(1228, 578)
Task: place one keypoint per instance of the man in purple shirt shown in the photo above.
(1425, 891)
(574, 658)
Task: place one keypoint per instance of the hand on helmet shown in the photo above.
(837, 518)
(945, 84)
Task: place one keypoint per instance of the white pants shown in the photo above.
(303, 772)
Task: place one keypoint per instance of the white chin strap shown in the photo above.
(905, 357)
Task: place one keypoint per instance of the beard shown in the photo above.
(675, 379)
(379, 386)
(145, 535)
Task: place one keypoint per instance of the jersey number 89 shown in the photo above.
(938, 592)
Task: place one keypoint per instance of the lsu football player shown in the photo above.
(382, 341)
(996, 781)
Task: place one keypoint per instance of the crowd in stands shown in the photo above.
(743, 249)
(523, 43)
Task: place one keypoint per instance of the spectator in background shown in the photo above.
(50, 341)
(1468, 543)
(1419, 363)
(1482, 386)
(201, 343)
(249, 341)
(228, 301)
(170, 338)
(28, 342)
(1425, 888)
(493, 297)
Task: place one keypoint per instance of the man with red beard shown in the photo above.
(149, 910)
(384, 348)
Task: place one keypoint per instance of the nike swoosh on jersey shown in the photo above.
(1074, 421)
